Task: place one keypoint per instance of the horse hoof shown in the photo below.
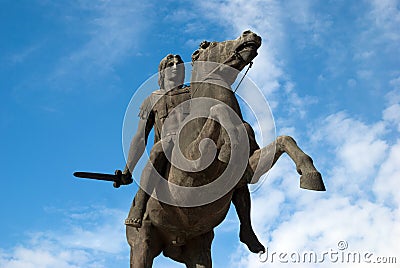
(249, 238)
(312, 181)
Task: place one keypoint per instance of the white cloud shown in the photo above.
(387, 182)
(364, 74)
(310, 26)
(386, 17)
(291, 220)
(392, 115)
(361, 205)
(93, 238)
(23, 257)
(358, 148)
(375, 38)
(393, 97)
(298, 104)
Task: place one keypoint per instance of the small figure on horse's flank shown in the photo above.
(182, 212)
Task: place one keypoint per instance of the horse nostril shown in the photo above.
(246, 32)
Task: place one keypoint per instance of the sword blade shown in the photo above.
(97, 176)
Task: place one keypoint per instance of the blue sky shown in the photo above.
(329, 69)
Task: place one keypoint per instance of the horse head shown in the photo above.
(234, 53)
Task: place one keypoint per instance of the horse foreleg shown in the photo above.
(210, 131)
(204, 146)
(242, 202)
(224, 128)
(263, 159)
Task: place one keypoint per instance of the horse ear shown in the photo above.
(204, 44)
(195, 55)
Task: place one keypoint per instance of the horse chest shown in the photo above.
(219, 93)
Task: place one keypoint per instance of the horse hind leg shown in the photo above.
(197, 252)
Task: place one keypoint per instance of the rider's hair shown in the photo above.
(164, 64)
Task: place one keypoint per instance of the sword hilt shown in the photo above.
(117, 183)
(122, 179)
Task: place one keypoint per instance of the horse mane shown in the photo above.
(203, 45)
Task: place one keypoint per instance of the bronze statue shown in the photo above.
(156, 108)
(209, 162)
(203, 158)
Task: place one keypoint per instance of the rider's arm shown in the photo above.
(139, 141)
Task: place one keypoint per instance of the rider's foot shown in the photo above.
(248, 237)
(135, 218)
(137, 223)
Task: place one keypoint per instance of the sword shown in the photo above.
(118, 178)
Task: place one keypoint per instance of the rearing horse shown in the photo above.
(208, 161)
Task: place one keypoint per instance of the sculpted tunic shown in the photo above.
(159, 105)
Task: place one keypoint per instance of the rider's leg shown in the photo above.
(145, 245)
(154, 168)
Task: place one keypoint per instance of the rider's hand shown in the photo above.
(126, 178)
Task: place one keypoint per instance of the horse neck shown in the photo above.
(217, 90)
(209, 72)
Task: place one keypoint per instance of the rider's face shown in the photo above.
(174, 70)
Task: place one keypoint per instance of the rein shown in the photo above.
(241, 80)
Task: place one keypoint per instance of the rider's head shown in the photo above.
(171, 71)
